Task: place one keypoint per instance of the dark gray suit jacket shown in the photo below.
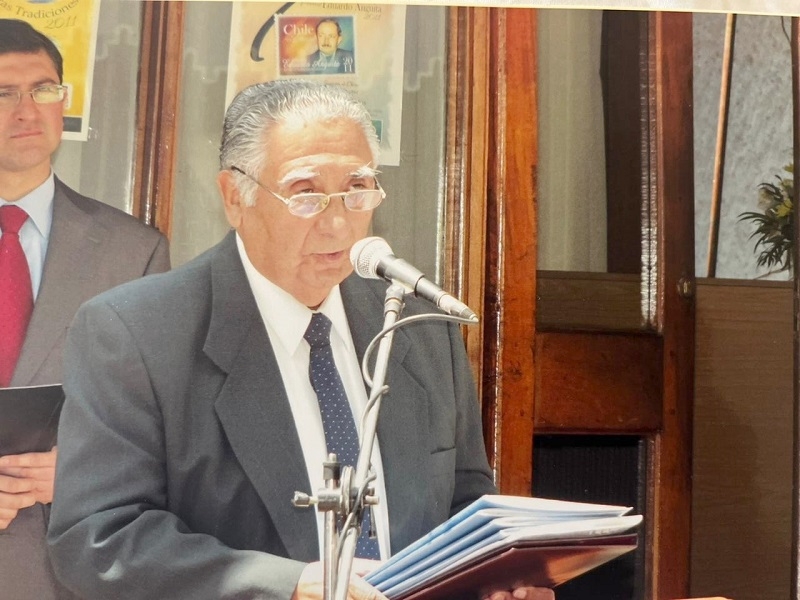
(92, 247)
(182, 485)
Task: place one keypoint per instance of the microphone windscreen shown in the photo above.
(366, 254)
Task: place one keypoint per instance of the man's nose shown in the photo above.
(334, 217)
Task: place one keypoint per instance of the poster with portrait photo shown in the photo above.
(72, 26)
(357, 46)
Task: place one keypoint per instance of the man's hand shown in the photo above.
(310, 586)
(25, 479)
(523, 593)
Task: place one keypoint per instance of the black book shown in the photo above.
(29, 418)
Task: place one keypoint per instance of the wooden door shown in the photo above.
(547, 361)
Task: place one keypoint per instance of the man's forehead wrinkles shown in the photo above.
(311, 171)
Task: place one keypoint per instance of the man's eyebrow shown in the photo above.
(303, 173)
(298, 175)
(365, 171)
(35, 84)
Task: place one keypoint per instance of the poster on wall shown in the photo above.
(72, 25)
(357, 46)
(754, 7)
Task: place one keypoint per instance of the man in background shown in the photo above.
(210, 394)
(329, 57)
(57, 249)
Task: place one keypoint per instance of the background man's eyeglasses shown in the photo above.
(308, 205)
(43, 94)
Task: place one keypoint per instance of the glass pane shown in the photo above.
(759, 138)
(595, 208)
(101, 167)
(572, 177)
(410, 217)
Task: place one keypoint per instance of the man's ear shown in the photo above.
(231, 198)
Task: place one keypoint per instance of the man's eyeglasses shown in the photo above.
(43, 94)
(308, 205)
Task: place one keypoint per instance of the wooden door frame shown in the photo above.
(491, 219)
(491, 185)
(155, 146)
(671, 41)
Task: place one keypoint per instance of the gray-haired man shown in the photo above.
(193, 387)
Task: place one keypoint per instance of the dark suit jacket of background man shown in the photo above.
(345, 59)
(197, 436)
(92, 247)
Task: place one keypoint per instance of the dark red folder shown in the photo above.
(545, 563)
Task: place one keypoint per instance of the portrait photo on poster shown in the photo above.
(310, 45)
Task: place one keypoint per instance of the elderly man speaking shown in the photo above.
(198, 393)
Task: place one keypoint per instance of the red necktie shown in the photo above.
(16, 293)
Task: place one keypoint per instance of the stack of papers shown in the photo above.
(494, 524)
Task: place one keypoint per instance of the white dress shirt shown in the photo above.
(286, 321)
(35, 232)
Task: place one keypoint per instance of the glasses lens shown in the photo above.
(307, 205)
(363, 199)
(9, 97)
(47, 94)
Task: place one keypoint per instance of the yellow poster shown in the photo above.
(357, 46)
(72, 25)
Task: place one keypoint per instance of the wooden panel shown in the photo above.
(466, 164)
(620, 70)
(588, 301)
(490, 223)
(742, 441)
(510, 305)
(598, 383)
(671, 40)
(160, 66)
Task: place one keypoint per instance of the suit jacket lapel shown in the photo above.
(253, 407)
(402, 421)
(72, 255)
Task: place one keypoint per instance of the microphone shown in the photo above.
(372, 258)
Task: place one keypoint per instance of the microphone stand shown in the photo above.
(346, 495)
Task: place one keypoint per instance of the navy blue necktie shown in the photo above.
(341, 435)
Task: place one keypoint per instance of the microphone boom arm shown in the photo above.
(393, 305)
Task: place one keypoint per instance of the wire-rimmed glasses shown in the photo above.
(308, 205)
(42, 94)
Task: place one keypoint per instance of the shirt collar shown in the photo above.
(39, 205)
(325, 59)
(285, 315)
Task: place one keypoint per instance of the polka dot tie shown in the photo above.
(16, 293)
(341, 436)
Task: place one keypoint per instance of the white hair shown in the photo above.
(257, 109)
